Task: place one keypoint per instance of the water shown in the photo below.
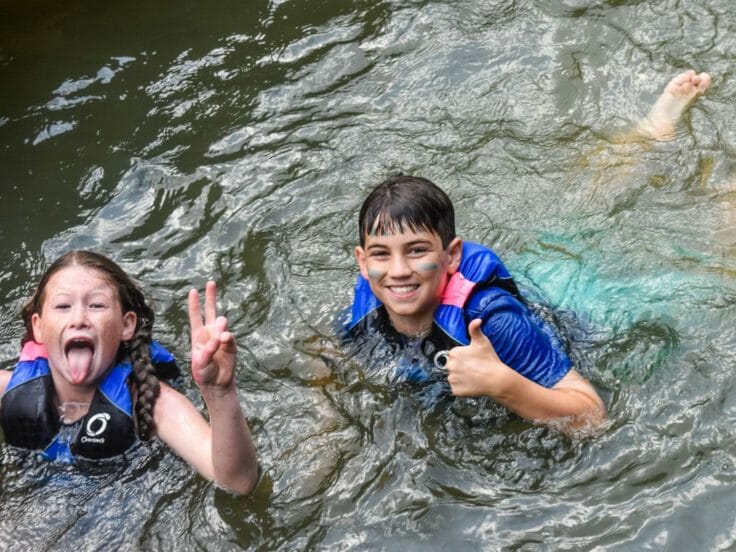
(236, 141)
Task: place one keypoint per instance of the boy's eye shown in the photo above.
(418, 250)
(97, 305)
(379, 254)
(62, 306)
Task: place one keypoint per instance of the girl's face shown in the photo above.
(81, 324)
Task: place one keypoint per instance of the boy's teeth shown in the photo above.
(403, 289)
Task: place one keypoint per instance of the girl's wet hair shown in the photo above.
(131, 299)
(407, 203)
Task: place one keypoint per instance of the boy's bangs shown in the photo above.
(386, 225)
(404, 204)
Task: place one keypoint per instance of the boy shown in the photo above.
(423, 288)
(427, 293)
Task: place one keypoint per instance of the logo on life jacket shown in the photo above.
(96, 425)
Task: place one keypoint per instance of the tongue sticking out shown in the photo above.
(79, 360)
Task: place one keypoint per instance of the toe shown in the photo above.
(704, 82)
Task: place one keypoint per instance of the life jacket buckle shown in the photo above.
(440, 360)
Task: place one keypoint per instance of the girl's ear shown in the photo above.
(361, 259)
(36, 326)
(130, 319)
(455, 253)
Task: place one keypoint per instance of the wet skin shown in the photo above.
(408, 272)
(81, 318)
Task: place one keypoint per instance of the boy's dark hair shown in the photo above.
(131, 299)
(407, 202)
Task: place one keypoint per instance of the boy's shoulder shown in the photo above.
(480, 264)
(487, 301)
(493, 285)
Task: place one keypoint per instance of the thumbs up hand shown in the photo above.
(475, 369)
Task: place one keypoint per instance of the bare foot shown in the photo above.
(679, 93)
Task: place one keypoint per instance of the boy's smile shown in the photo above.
(408, 272)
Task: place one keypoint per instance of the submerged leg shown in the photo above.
(677, 96)
(620, 158)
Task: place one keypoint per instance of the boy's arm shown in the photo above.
(476, 370)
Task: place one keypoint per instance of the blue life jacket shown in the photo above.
(30, 419)
(482, 288)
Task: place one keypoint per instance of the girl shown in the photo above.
(88, 330)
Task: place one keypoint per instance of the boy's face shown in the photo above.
(408, 272)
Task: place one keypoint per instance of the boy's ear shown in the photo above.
(455, 252)
(360, 258)
(129, 321)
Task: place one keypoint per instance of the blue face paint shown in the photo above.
(374, 274)
(427, 267)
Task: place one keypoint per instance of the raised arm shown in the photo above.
(476, 370)
(223, 450)
(4, 379)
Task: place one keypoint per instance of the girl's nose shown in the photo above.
(79, 316)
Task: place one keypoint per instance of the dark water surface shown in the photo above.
(236, 140)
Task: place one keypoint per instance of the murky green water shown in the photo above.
(236, 141)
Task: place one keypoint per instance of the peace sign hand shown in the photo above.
(213, 347)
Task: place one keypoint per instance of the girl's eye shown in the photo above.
(61, 306)
(97, 306)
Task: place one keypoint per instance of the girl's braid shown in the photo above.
(145, 376)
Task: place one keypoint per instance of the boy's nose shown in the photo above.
(399, 267)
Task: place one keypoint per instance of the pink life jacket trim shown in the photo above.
(457, 290)
(32, 351)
